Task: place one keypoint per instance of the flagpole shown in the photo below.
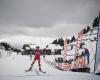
(96, 45)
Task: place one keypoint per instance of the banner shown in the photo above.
(79, 40)
(65, 49)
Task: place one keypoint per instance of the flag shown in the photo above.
(65, 49)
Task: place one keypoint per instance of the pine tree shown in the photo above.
(84, 31)
(88, 28)
(96, 22)
(55, 42)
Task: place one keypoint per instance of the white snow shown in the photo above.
(13, 67)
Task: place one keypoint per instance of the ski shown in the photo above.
(42, 71)
(37, 72)
(27, 70)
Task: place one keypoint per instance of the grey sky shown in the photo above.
(52, 18)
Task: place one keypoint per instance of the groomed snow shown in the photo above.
(13, 68)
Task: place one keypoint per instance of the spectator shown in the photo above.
(87, 53)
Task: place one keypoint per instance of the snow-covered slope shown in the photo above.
(12, 68)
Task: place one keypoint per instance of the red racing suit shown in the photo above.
(37, 55)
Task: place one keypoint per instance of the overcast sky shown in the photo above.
(46, 18)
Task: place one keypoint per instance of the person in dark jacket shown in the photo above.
(87, 53)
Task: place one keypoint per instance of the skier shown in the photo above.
(37, 57)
